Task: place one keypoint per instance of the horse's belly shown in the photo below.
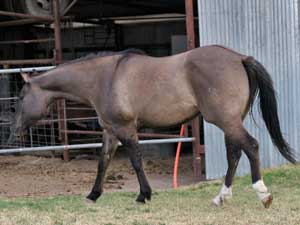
(168, 115)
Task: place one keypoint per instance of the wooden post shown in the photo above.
(190, 31)
(61, 105)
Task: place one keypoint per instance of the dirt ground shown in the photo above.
(40, 176)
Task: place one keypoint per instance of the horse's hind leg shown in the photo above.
(129, 139)
(234, 153)
(238, 135)
(251, 150)
(110, 144)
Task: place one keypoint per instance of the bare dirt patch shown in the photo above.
(41, 176)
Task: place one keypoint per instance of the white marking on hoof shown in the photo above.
(262, 193)
(261, 189)
(217, 201)
(225, 193)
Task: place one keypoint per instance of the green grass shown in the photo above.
(191, 205)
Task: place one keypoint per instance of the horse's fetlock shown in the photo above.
(140, 199)
(147, 193)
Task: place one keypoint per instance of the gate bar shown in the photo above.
(26, 69)
(93, 145)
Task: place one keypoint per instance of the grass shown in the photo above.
(191, 205)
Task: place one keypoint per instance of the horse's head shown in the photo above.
(31, 107)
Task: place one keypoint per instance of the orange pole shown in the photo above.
(176, 163)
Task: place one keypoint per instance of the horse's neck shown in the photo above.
(55, 80)
(79, 82)
(61, 85)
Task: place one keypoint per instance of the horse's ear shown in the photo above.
(26, 77)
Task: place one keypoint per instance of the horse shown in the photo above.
(130, 90)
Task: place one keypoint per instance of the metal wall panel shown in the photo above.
(269, 31)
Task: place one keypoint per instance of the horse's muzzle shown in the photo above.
(15, 135)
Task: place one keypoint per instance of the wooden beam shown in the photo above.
(27, 16)
(19, 22)
(191, 43)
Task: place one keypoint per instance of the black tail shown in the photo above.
(260, 81)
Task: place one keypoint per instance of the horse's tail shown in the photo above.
(260, 81)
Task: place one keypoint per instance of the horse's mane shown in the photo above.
(106, 53)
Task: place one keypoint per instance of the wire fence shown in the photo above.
(43, 134)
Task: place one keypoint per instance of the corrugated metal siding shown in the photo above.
(269, 31)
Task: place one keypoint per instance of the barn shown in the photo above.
(39, 34)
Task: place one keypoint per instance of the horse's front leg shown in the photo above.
(110, 144)
(128, 137)
(136, 161)
(234, 153)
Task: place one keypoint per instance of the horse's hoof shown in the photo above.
(217, 201)
(140, 199)
(267, 201)
(147, 195)
(93, 196)
(89, 201)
